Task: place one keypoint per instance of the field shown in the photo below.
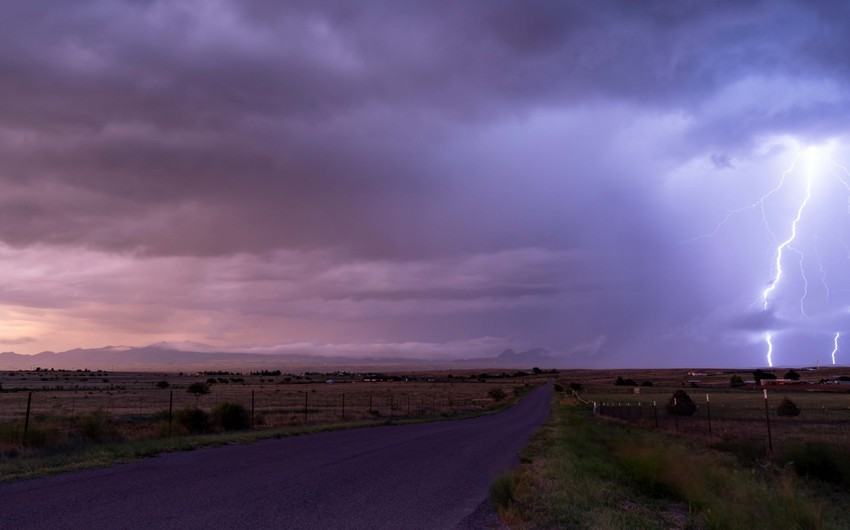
(722, 412)
(52, 413)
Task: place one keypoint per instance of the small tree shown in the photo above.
(760, 374)
(736, 381)
(681, 404)
(576, 387)
(787, 408)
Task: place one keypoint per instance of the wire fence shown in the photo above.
(759, 419)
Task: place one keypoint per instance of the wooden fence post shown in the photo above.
(767, 422)
(27, 420)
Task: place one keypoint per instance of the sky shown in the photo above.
(622, 183)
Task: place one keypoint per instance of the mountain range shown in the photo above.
(162, 357)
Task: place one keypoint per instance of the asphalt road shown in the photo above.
(434, 476)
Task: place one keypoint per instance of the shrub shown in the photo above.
(625, 382)
(681, 404)
(736, 381)
(231, 416)
(559, 387)
(95, 426)
(819, 460)
(787, 408)
(497, 394)
(193, 419)
(502, 491)
(576, 386)
(162, 384)
(198, 388)
(792, 375)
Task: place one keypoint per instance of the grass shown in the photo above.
(580, 471)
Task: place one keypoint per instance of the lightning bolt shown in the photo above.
(769, 340)
(786, 246)
(780, 250)
(759, 203)
(835, 348)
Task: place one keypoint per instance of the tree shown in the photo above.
(576, 387)
(760, 374)
(736, 381)
(681, 404)
(198, 389)
(787, 408)
(792, 375)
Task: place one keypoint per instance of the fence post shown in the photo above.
(27, 420)
(252, 409)
(675, 415)
(170, 409)
(708, 412)
(767, 421)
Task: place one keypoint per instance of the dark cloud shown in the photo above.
(532, 168)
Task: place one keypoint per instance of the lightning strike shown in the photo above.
(787, 243)
(769, 340)
(759, 203)
(835, 348)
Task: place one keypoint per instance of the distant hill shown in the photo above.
(160, 357)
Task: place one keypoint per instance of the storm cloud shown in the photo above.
(408, 175)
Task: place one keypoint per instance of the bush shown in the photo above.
(576, 387)
(198, 388)
(787, 408)
(162, 384)
(502, 491)
(625, 382)
(231, 416)
(792, 375)
(193, 420)
(95, 426)
(497, 394)
(681, 404)
(819, 460)
(559, 387)
(736, 381)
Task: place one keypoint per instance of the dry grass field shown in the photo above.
(137, 405)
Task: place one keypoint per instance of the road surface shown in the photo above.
(430, 475)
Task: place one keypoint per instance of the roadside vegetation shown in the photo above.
(584, 471)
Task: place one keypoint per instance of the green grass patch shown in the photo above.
(580, 471)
